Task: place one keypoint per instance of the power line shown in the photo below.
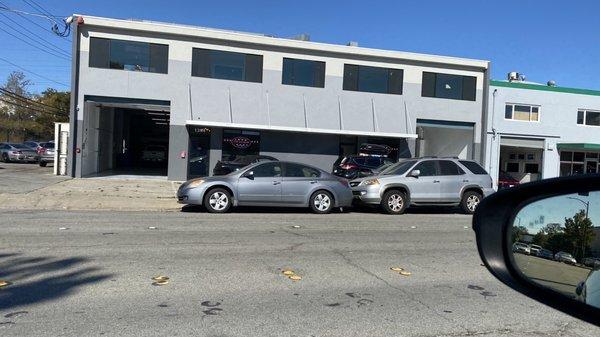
(27, 100)
(36, 74)
(32, 45)
(24, 17)
(32, 109)
(39, 8)
(47, 43)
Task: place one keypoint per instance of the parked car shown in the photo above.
(34, 144)
(545, 254)
(271, 184)
(505, 180)
(587, 290)
(154, 153)
(356, 166)
(425, 181)
(593, 262)
(228, 166)
(522, 248)
(46, 153)
(565, 257)
(534, 249)
(17, 152)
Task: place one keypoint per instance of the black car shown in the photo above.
(352, 167)
(228, 166)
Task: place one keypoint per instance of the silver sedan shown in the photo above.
(270, 184)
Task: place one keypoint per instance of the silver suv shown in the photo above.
(425, 181)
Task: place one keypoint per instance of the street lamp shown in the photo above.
(587, 210)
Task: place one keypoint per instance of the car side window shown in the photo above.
(427, 168)
(296, 170)
(449, 168)
(267, 170)
(373, 162)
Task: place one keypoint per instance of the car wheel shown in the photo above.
(394, 202)
(43, 163)
(321, 202)
(470, 201)
(217, 200)
(5, 158)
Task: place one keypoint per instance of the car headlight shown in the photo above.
(196, 183)
(370, 182)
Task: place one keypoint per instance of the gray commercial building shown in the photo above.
(538, 131)
(200, 95)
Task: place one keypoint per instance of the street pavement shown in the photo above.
(24, 177)
(88, 273)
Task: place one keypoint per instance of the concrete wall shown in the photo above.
(557, 123)
(270, 102)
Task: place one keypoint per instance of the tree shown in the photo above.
(579, 231)
(15, 117)
(518, 232)
(45, 121)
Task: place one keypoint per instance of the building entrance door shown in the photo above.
(591, 166)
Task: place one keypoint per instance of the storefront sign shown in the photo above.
(240, 142)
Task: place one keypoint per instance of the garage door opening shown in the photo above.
(445, 139)
(126, 140)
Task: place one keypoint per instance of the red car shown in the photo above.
(505, 180)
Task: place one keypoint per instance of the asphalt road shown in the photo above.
(23, 178)
(93, 277)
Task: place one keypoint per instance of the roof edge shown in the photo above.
(541, 87)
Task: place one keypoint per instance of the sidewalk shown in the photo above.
(98, 194)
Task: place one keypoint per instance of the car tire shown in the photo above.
(5, 158)
(469, 201)
(321, 202)
(43, 163)
(218, 200)
(394, 202)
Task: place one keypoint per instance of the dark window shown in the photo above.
(592, 118)
(297, 170)
(580, 117)
(566, 156)
(531, 168)
(512, 167)
(449, 168)
(373, 79)
(473, 167)
(303, 72)
(508, 112)
(449, 86)
(579, 156)
(359, 160)
(398, 168)
(227, 65)
(426, 168)
(129, 55)
(267, 170)
(373, 162)
(240, 145)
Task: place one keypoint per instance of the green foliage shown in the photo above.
(21, 120)
(518, 232)
(579, 231)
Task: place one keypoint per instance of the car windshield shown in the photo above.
(399, 168)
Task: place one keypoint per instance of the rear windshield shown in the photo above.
(399, 168)
(20, 146)
(473, 167)
(48, 145)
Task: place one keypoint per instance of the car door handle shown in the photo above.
(465, 181)
(436, 181)
(276, 182)
(313, 181)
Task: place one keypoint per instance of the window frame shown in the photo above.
(585, 112)
(317, 77)
(248, 58)
(356, 79)
(109, 60)
(463, 80)
(530, 113)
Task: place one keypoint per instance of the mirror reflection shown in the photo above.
(556, 244)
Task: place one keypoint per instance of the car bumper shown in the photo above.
(367, 194)
(191, 196)
(23, 158)
(47, 159)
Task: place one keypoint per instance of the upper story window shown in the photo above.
(129, 55)
(227, 65)
(303, 72)
(522, 112)
(373, 79)
(449, 86)
(588, 117)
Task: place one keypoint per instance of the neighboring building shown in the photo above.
(537, 131)
(141, 89)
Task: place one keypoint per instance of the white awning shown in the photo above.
(522, 142)
(301, 129)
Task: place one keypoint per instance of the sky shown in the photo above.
(558, 40)
(538, 214)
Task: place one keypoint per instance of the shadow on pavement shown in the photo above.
(41, 279)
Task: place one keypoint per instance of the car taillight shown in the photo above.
(41, 150)
(348, 166)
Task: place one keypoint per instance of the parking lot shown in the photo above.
(23, 178)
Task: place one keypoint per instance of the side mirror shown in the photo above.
(537, 238)
(249, 175)
(415, 173)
